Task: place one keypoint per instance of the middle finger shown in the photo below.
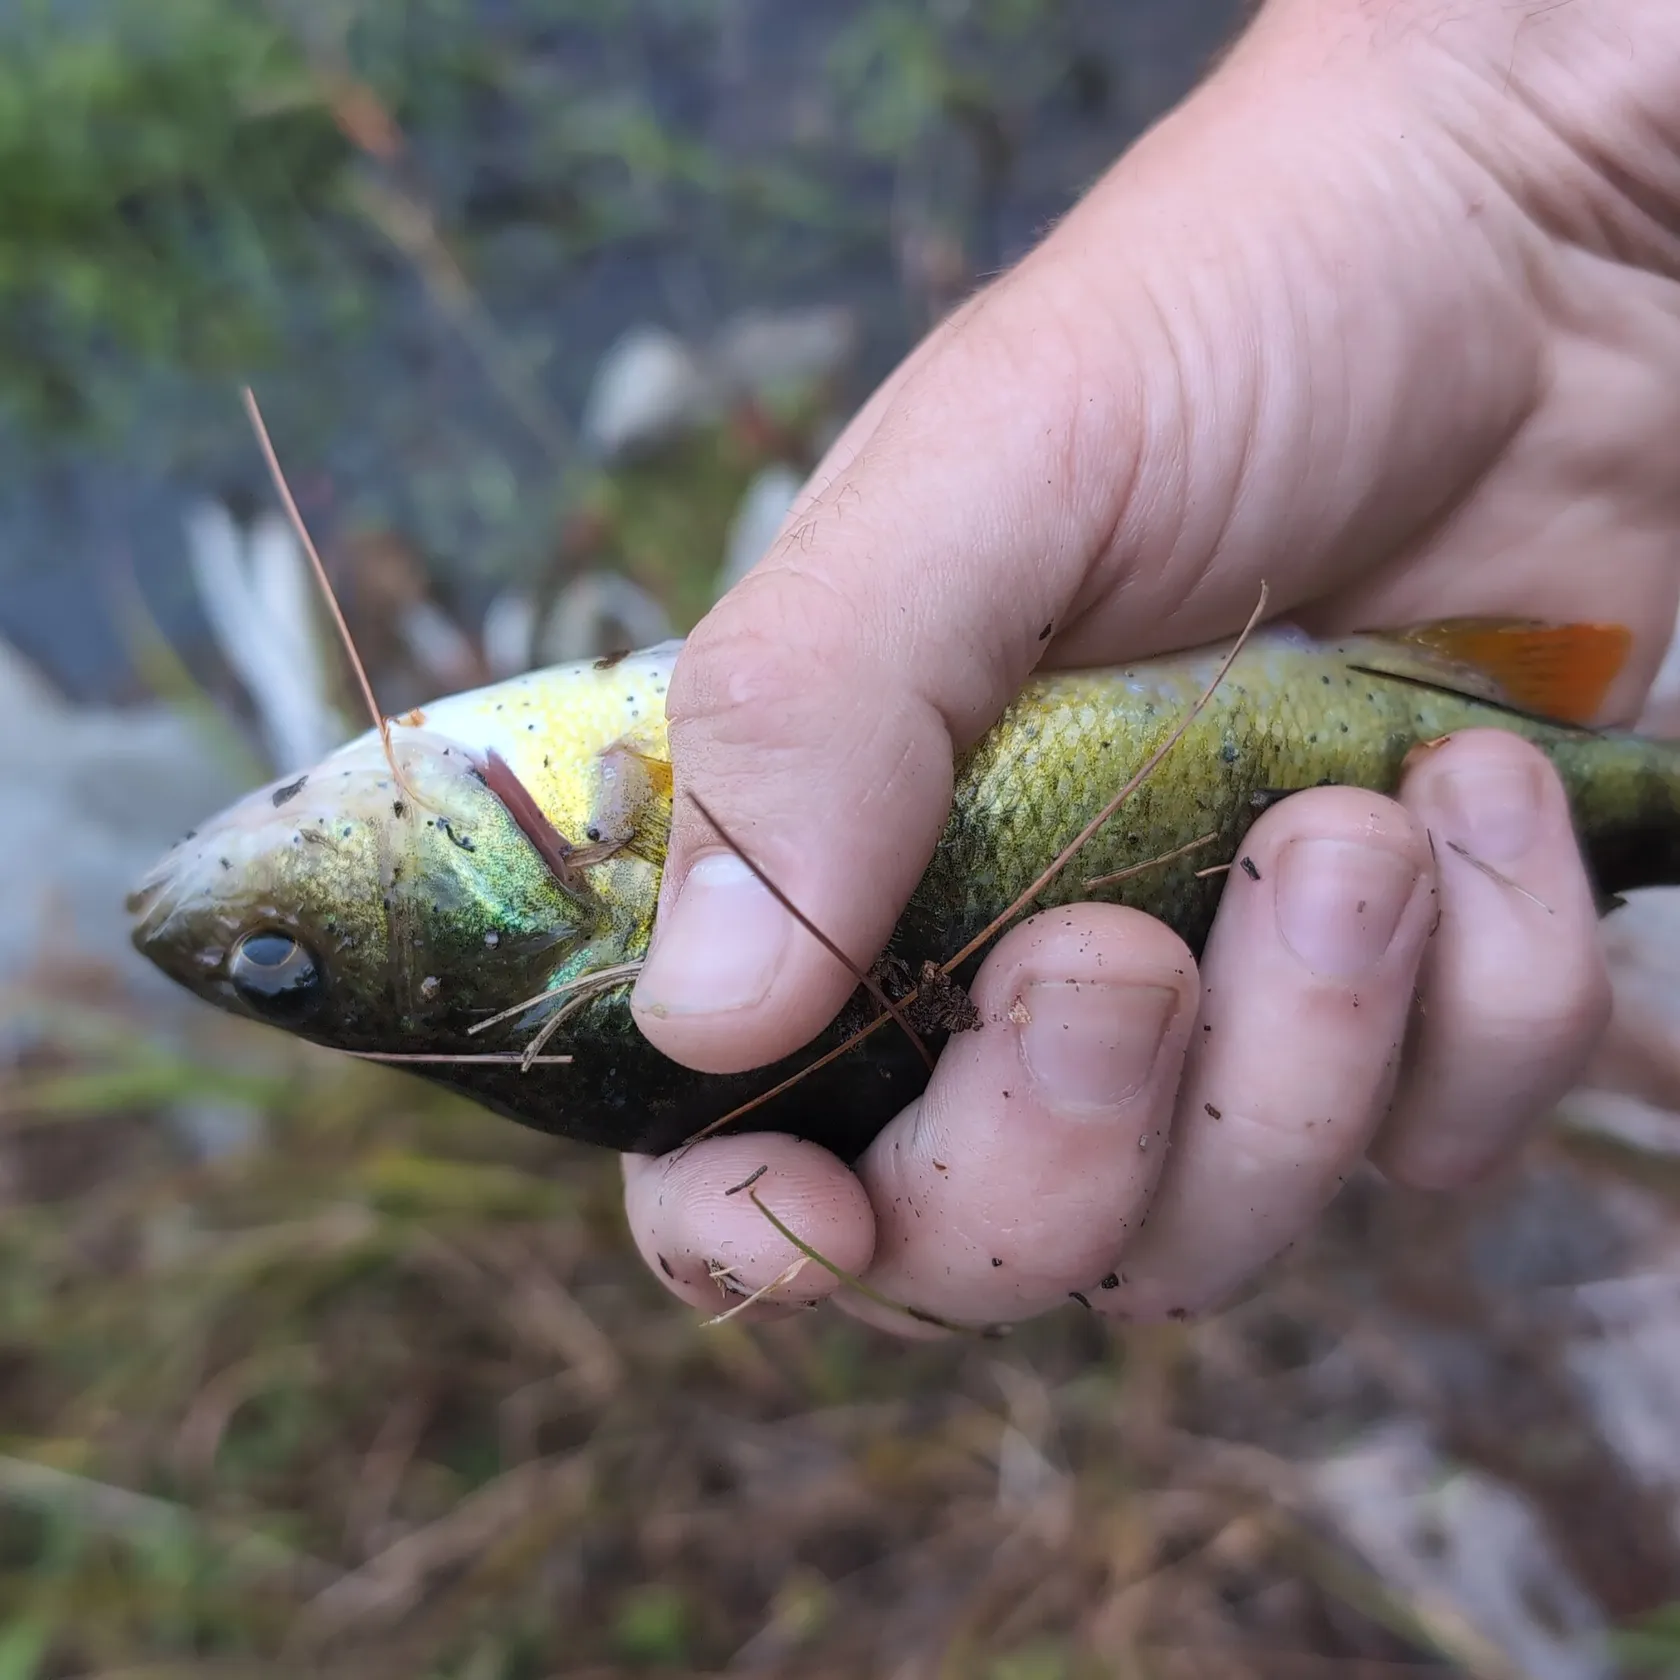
(1307, 985)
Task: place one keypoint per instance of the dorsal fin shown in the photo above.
(1558, 671)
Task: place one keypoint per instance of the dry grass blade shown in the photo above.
(601, 977)
(851, 1281)
(388, 1586)
(787, 1084)
(289, 502)
(149, 1522)
(1061, 861)
(1144, 772)
(1498, 875)
(1177, 852)
(608, 980)
(513, 1058)
(786, 1275)
(864, 979)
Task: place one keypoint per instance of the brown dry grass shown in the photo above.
(392, 1396)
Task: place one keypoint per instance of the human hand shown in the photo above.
(1387, 314)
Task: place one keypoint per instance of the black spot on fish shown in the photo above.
(226, 863)
(664, 1264)
(398, 808)
(1250, 869)
(1229, 752)
(345, 832)
(1212, 1112)
(1179, 1314)
(1112, 1281)
(1074, 1295)
(996, 1261)
(1044, 634)
(1325, 681)
(464, 841)
(290, 790)
(608, 660)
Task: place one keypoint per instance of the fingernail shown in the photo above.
(719, 947)
(1495, 812)
(1340, 901)
(1091, 1044)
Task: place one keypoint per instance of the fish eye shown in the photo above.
(276, 975)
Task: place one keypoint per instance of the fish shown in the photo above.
(440, 891)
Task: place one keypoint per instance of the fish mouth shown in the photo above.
(144, 899)
(149, 903)
(156, 929)
(154, 896)
(152, 908)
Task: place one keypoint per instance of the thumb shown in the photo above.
(817, 710)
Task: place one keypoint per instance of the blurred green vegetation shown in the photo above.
(164, 170)
(183, 185)
(387, 214)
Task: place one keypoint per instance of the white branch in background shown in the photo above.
(759, 516)
(258, 597)
(597, 613)
(437, 645)
(650, 387)
(509, 633)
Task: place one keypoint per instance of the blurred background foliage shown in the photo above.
(417, 225)
(308, 1370)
